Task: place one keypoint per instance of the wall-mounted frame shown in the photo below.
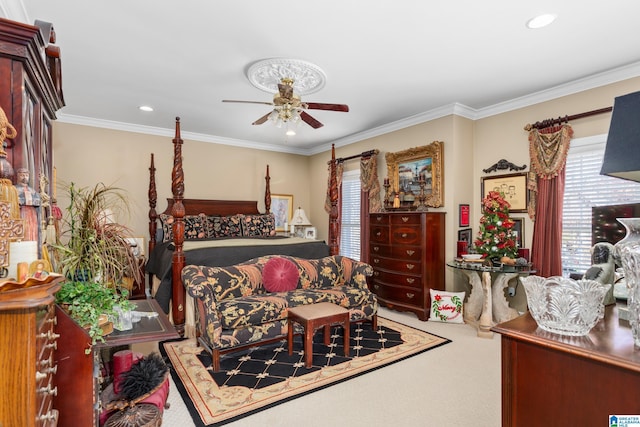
(513, 186)
(464, 235)
(404, 169)
(518, 228)
(282, 210)
(463, 215)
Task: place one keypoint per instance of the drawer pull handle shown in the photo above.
(405, 218)
(376, 273)
(404, 235)
(376, 260)
(410, 280)
(376, 248)
(376, 286)
(49, 416)
(410, 266)
(378, 234)
(410, 295)
(48, 390)
(378, 218)
(410, 252)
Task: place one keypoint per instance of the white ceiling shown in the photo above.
(395, 63)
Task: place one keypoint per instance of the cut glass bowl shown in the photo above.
(565, 306)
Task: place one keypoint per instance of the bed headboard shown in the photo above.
(215, 207)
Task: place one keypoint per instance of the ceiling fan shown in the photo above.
(289, 108)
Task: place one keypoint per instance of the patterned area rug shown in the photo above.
(258, 378)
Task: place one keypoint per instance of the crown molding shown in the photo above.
(170, 133)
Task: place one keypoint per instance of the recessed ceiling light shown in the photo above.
(145, 108)
(290, 132)
(541, 21)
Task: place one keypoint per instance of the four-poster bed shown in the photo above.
(232, 231)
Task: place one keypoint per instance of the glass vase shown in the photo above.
(628, 251)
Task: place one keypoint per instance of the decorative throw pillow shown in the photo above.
(194, 227)
(224, 226)
(446, 306)
(259, 225)
(167, 227)
(280, 275)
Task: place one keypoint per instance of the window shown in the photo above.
(584, 188)
(350, 224)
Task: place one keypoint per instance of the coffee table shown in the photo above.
(312, 317)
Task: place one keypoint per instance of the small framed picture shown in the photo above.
(518, 230)
(463, 212)
(464, 235)
(310, 233)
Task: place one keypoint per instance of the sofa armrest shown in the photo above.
(199, 284)
(355, 273)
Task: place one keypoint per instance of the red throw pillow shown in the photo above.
(280, 275)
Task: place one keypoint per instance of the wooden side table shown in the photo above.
(312, 317)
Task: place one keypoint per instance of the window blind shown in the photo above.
(585, 188)
(350, 224)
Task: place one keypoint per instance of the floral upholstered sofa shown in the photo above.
(246, 304)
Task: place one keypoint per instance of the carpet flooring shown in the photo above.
(261, 377)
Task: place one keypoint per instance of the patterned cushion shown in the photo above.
(280, 275)
(224, 226)
(259, 225)
(194, 227)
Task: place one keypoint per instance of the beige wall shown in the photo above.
(88, 155)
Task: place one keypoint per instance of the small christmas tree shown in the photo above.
(496, 238)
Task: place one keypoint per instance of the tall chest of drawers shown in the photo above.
(406, 251)
(27, 347)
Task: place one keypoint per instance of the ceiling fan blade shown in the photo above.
(248, 102)
(331, 107)
(310, 120)
(262, 119)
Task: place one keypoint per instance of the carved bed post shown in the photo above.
(334, 247)
(177, 211)
(267, 193)
(153, 215)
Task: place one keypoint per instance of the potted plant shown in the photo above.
(91, 304)
(93, 247)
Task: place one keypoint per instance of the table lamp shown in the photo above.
(299, 219)
(622, 160)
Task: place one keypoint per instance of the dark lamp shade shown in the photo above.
(622, 153)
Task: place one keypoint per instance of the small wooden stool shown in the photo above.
(312, 317)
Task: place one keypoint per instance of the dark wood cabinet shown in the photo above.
(77, 379)
(27, 352)
(556, 380)
(30, 95)
(406, 250)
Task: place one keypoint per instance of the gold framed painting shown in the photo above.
(405, 168)
(282, 210)
(512, 186)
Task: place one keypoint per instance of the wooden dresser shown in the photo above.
(556, 380)
(406, 250)
(27, 348)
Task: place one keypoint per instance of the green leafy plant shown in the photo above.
(86, 301)
(92, 246)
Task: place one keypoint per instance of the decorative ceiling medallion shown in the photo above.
(267, 73)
